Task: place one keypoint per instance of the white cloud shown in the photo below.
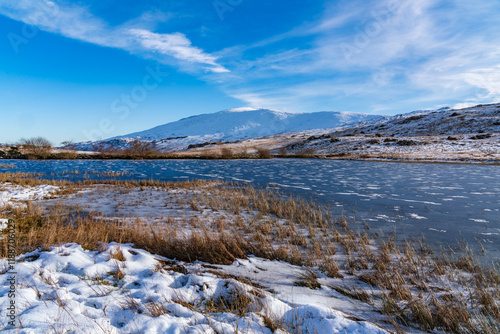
(177, 46)
(486, 79)
(422, 52)
(78, 23)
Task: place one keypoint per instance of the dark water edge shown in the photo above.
(445, 203)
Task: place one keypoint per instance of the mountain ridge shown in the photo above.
(237, 124)
(233, 125)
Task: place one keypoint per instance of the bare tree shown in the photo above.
(226, 153)
(264, 153)
(37, 146)
(141, 148)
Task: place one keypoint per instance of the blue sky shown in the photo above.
(80, 70)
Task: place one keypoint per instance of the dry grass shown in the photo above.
(156, 308)
(309, 280)
(264, 153)
(7, 166)
(42, 232)
(353, 292)
(237, 301)
(117, 255)
(36, 179)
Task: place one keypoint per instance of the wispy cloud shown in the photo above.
(423, 52)
(177, 46)
(77, 22)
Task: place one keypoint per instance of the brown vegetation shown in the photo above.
(141, 148)
(226, 153)
(36, 147)
(264, 153)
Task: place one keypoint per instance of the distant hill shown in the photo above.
(445, 121)
(234, 125)
(459, 135)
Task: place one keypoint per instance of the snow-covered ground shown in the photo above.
(461, 148)
(483, 119)
(69, 289)
(11, 194)
(3, 224)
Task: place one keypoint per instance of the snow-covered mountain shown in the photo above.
(244, 123)
(483, 118)
(465, 135)
(233, 125)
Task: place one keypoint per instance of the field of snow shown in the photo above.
(69, 289)
(481, 119)
(11, 194)
(461, 148)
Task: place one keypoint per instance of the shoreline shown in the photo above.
(298, 156)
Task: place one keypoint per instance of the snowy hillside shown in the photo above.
(232, 125)
(463, 135)
(243, 123)
(478, 119)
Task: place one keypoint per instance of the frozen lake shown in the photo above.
(445, 203)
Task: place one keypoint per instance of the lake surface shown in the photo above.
(445, 203)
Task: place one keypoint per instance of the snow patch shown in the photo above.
(3, 224)
(11, 194)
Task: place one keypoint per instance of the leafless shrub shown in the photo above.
(226, 153)
(264, 153)
(36, 146)
(141, 148)
(103, 147)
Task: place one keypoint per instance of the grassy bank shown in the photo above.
(386, 157)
